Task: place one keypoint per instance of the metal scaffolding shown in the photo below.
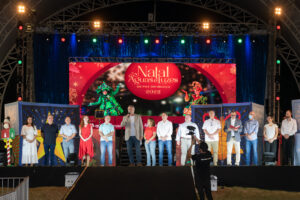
(151, 28)
(63, 20)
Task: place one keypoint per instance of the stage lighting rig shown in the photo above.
(205, 25)
(278, 11)
(21, 9)
(97, 24)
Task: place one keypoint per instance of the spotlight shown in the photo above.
(278, 27)
(47, 39)
(19, 98)
(157, 41)
(134, 100)
(278, 11)
(208, 41)
(78, 40)
(20, 62)
(94, 40)
(278, 61)
(182, 41)
(205, 26)
(277, 98)
(120, 41)
(20, 27)
(240, 40)
(21, 9)
(146, 41)
(62, 39)
(97, 24)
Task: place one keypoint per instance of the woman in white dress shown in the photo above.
(29, 148)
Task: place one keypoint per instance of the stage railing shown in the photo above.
(14, 188)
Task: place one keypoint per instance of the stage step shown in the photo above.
(134, 183)
(124, 159)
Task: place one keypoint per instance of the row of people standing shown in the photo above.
(236, 130)
(134, 134)
(49, 132)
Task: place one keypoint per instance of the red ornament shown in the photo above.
(153, 81)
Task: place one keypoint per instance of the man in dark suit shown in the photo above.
(233, 128)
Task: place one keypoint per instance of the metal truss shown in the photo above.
(222, 7)
(76, 10)
(290, 18)
(147, 59)
(7, 69)
(150, 28)
(291, 58)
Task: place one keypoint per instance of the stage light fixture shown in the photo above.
(277, 98)
(120, 41)
(182, 41)
(19, 98)
(278, 27)
(97, 24)
(146, 41)
(62, 39)
(157, 41)
(278, 61)
(208, 41)
(205, 26)
(278, 11)
(21, 8)
(94, 40)
(20, 27)
(20, 62)
(240, 40)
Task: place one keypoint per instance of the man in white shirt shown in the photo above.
(68, 132)
(184, 137)
(288, 130)
(211, 128)
(164, 132)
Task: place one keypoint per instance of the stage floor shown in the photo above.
(264, 177)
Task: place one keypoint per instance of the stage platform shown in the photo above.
(121, 178)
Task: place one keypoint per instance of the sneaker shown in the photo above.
(139, 165)
(131, 165)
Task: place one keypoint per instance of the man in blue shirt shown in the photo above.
(68, 132)
(106, 131)
(251, 130)
(49, 133)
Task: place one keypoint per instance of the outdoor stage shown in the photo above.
(175, 181)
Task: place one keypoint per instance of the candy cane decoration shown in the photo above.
(8, 151)
(8, 146)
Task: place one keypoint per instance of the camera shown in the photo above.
(191, 130)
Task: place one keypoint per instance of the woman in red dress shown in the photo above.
(86, 150)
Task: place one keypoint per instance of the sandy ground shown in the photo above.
(226, 193)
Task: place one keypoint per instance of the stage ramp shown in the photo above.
(134, 183)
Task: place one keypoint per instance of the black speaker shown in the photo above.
(72, 159)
